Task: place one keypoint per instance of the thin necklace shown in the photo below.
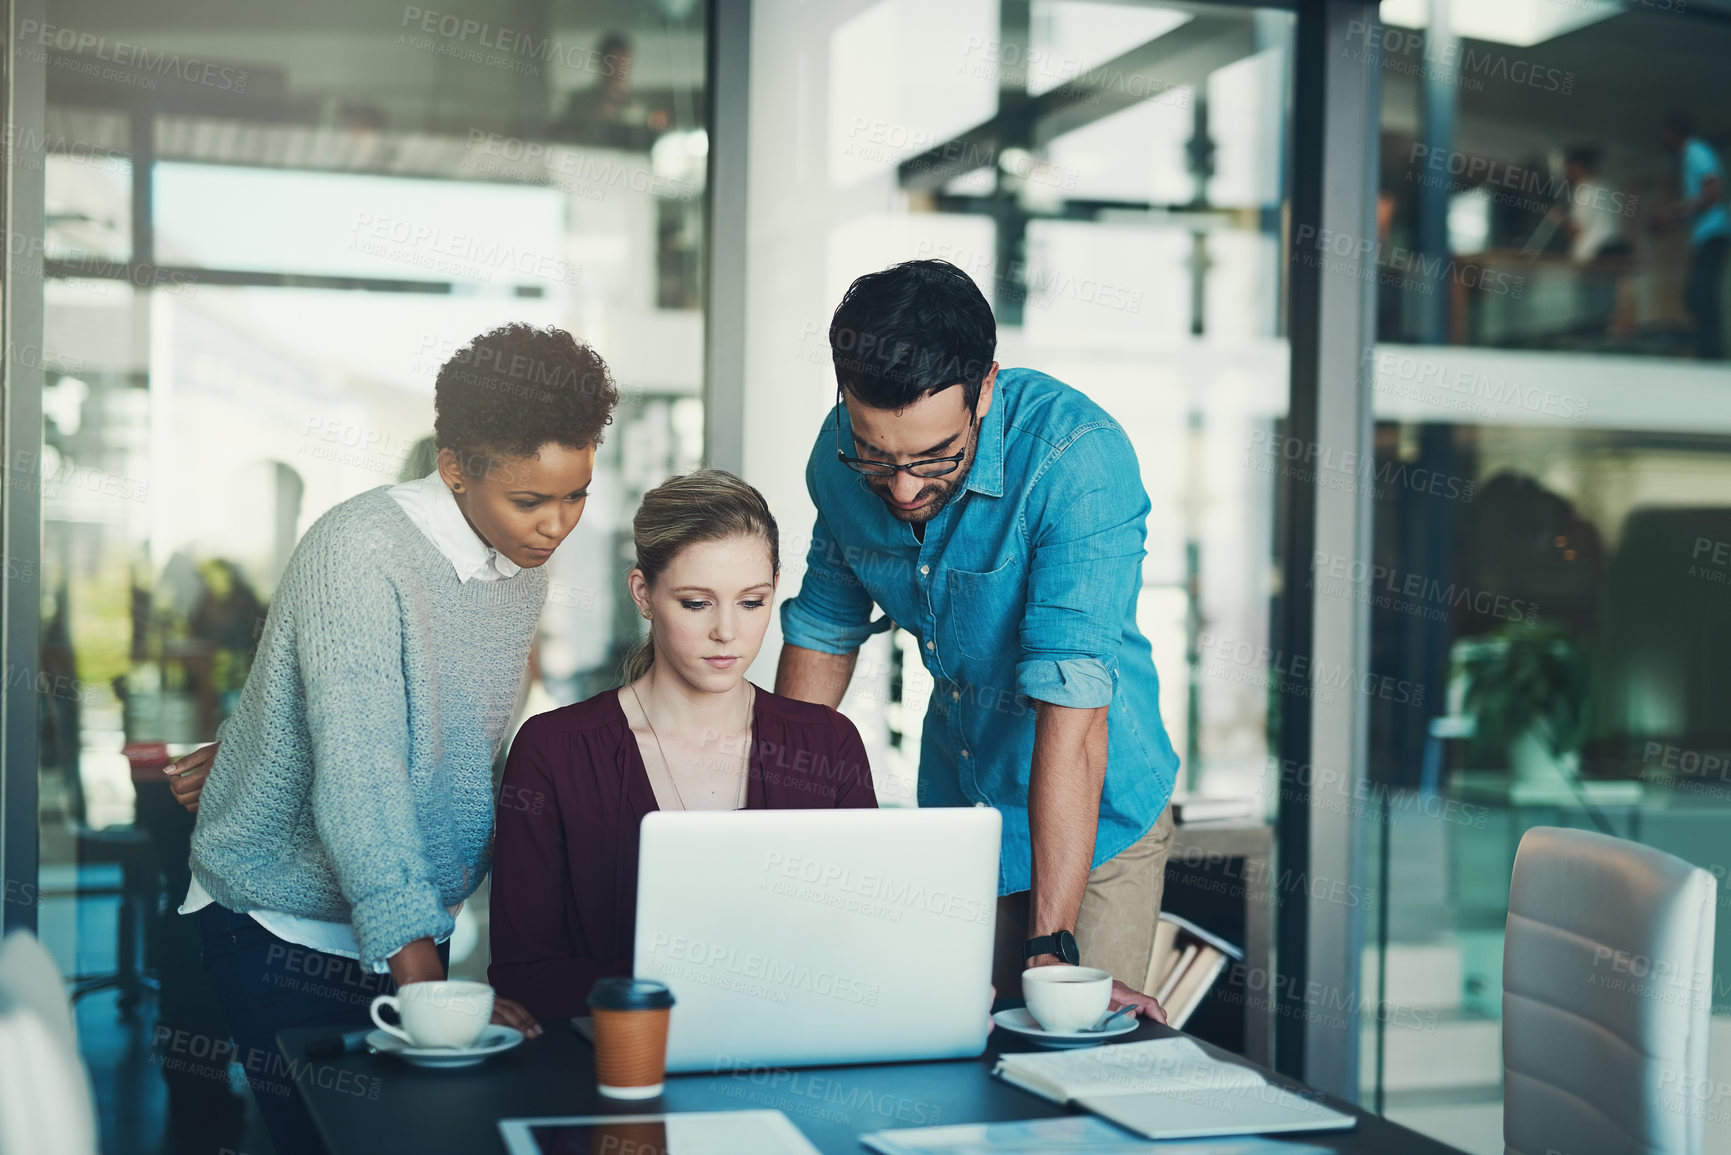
(744, 779)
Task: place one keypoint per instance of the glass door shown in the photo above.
(1113, 177)
(265, 232)
(1558, 585)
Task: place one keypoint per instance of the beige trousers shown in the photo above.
(1115, 929)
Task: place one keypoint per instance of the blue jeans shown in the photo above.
(266, 985)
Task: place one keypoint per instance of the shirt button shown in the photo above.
(925, 569)
(931, 645)
(964, 753)
(955, 695)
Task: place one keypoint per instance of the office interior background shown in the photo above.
(242, 238)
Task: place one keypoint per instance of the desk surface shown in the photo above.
(366, 1103)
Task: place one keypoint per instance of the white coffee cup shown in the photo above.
(438, 1014)
(1066, 998)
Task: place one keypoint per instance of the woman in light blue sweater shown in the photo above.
(347, 812)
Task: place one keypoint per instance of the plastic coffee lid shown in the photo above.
(630, 995)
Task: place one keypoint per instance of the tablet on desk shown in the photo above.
(681, 1133)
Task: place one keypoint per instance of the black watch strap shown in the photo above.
(1061, 943)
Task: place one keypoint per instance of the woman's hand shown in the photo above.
(1146, 1007)
(186, 775)
(510, 1013)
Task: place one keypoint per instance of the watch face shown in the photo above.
(1062, 943)
(1066, 944)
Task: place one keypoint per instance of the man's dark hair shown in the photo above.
(516, 388)
(912, 329)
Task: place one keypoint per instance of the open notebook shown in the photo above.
(1168, 1089)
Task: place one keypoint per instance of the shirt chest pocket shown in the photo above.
(984, 616)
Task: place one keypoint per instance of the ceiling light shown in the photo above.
(1521, 23)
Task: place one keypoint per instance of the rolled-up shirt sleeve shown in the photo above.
(1086, 539)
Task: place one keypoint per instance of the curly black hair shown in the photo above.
(516, 388)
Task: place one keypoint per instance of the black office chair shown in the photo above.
(127, 847)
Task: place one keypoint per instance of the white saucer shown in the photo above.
(493, 1040)
(1019, 1021)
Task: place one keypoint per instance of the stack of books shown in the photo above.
(1187, 961)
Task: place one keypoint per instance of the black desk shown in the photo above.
(365, 1104)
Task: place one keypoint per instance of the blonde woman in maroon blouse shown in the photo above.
(686, 732)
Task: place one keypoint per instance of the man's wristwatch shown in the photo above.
(1062, 944)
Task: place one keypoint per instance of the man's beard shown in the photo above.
(941, 492)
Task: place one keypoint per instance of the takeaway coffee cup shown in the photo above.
(1066, 998)
(630, 1036)
(438, 1014)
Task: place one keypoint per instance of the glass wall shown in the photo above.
(1119, 204)
(1112, 176)
(1528, 201)
(1557, 584)
(267, 227)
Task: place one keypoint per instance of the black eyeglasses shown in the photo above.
(930, 467)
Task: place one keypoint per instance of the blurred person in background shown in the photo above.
(1592, 223)
(1702, 210)
(609, 113)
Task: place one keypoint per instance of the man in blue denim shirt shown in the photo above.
(998, 516)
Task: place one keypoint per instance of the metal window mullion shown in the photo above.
(1324, 724)
(728, 79)
(25, 96)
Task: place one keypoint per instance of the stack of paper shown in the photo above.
(1167, 1089)
(1071, 1134)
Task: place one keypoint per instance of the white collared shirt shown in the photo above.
(430, 505)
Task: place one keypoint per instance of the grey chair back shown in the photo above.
(1607, 993)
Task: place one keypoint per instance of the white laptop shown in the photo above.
(808, 937)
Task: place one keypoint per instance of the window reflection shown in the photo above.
(1554, 428)
(252, 274)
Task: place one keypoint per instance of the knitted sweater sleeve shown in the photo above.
(351, 657)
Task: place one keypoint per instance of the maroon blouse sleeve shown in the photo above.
(854, 790)
(536, 958)
(808, 757)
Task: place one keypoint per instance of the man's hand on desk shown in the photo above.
(1146, 1007)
